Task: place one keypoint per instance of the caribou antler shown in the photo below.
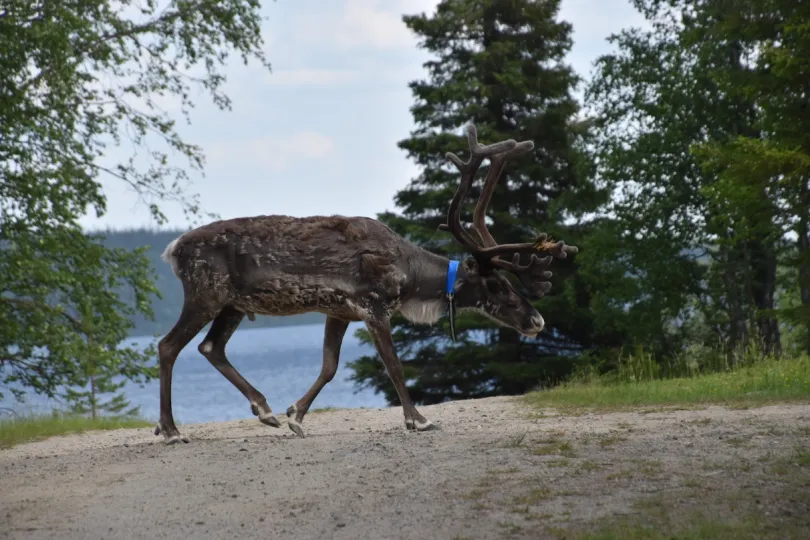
(534, 275)
(496, 165)
(478, 153)
(488, 251)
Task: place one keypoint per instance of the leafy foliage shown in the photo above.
(48, 281)
(776, 161)
(698, 243)
(77, 81)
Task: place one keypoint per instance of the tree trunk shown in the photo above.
(803, 244)
(763, 266)
(738, 326)
(759, 247)
(92, 371)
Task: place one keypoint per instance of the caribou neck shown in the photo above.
(426, 298)
(427, 278)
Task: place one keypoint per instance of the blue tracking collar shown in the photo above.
(452, 272)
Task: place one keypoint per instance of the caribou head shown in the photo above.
(479, 285)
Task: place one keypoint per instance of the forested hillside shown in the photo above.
(167, 308)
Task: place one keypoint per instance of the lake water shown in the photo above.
(282, 363)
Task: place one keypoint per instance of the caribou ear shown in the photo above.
(471, 267)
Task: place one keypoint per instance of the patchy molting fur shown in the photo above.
(423, 311)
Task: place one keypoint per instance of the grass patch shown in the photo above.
(624, 474)
(508, 470)
(648, 467)
(476, 494)
(487, 482)
(736, 442)
(511, 528)
(641, 467)
(655, 523)
(516, 441)
(696, 529)
(533, 497)
(798, 458)
(555, 448)
(36, 427)
(764, 382)
(610, 440)
(693, 482)
(699, 422)
(802, 457)
(588, 466)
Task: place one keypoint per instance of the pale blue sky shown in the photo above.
(318, 135)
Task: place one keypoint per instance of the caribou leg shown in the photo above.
(213, 349)
(381, 334)
(334, 330)
(191, 321)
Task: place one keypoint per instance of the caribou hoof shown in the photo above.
(269, 420)
(174, 439)
(294, 424)
(416, 425)
(265, 414)
(170, 435)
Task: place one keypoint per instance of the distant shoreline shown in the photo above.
(262, 321)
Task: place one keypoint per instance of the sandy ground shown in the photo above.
(495, 470)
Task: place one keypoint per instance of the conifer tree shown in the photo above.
(500, 65)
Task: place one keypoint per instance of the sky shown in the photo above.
(318, 134)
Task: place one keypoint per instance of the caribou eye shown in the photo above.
(494, 287)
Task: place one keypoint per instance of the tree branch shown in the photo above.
(32, 305)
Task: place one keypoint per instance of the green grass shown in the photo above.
(763, 382)
(697, 528)
(661, 524)
(35, 427)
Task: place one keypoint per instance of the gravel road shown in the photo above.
(495, 470)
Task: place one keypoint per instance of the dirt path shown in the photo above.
(495, 470)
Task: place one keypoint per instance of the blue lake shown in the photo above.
(281, 362)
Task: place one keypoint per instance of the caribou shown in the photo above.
(351, 269)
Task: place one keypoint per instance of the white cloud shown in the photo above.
(365, 22)
(594, 21)
(374, 24)
(310, 77)
(271, 154)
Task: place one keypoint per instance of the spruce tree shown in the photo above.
(93, 389)
(500, 65)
